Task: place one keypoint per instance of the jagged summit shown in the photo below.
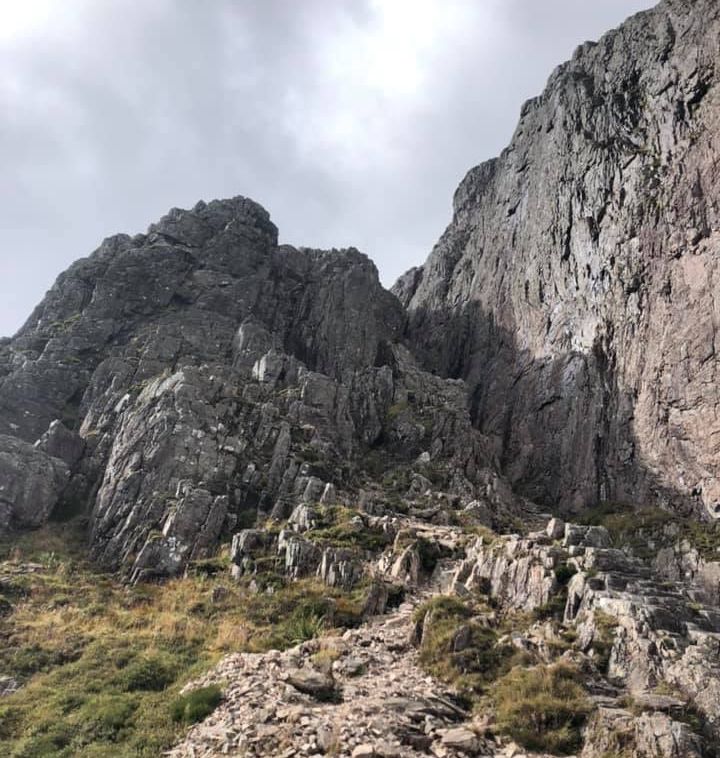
(196, 226)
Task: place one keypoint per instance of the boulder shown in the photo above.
(321, 686)
(31, 484)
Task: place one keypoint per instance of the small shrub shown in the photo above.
(304, 624)
(396, 410)
(553, 609)
(705, 538)
(196, 705)
(542, 708)
(103, 717)
(337, 528)
(443, 605)
(209, 566)
(324, 658)
(564, 573)
(148, 675)
(52, 742)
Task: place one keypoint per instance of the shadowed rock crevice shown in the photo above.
(561, 427)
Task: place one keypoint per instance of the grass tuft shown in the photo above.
(542, 708)
(196, 705)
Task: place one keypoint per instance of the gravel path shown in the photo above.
(389, 706)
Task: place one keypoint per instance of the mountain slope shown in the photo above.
(303, 451)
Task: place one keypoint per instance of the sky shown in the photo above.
(350, 121)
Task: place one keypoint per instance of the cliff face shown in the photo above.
(177, 384)
(575, 289)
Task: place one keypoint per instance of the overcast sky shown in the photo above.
(351, 121)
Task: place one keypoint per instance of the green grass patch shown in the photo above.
(102, 664)
(604, 639)
(397, 409)
(196, 705)
(457, 647)
(337, 528)
(542, 708)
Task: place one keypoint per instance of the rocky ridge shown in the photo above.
(644, 648)
(179, 383)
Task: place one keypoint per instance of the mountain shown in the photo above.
(573, 293)
(574, 290)
(511, 457)
(178, 383)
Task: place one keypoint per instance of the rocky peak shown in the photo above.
(197, 226)
(199, 376)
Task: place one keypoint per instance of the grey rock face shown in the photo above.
(653, 735)
(200, 374)
(188, 291)
(31, 483)
(574, 288)
(520, 571)
(683, 562)
(59, 442)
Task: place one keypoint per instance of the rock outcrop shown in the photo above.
(200, 377)
(31, 482)
(574, 289)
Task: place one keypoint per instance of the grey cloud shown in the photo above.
(351, 121)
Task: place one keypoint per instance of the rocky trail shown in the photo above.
(372, 699)
(365, 693)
